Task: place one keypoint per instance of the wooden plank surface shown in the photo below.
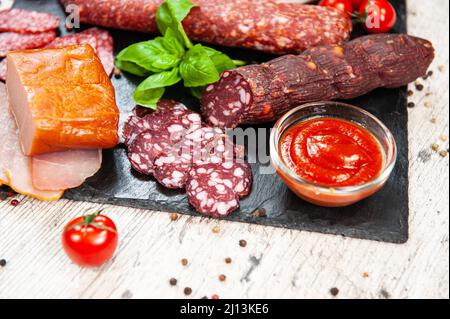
(276, 263)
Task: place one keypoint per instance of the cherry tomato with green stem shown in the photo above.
(90, 240)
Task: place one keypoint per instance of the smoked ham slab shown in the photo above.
(62, 99)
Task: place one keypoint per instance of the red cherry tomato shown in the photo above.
(343, 5)
(90, 240)
(378, 16)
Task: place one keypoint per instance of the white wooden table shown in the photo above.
(276, 263)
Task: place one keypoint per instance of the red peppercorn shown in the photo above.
(215, 296)
(15, 202)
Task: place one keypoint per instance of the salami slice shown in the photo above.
(105, 47)
(172, 170)
(174, 118)
(273, 27)
(24, 21)
(262, 93)
(146, 148)
(74, 39)
(10, 41)
(214, 189)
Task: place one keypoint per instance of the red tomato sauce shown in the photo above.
(331, 152)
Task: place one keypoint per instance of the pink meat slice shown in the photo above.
(74, 39)
(64, 170)
(15, 167)
(24, 21)
(10, 41)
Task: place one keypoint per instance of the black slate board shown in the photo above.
(383, 217)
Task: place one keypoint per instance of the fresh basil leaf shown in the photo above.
(197, 68)
(172, 44)
(148, 98)
(131, 68)
(197, 91)
(222, 61)
(156, 55)
(180, 8)
(151, 90)
(170, 14)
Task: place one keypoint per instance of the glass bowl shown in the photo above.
(323, 195)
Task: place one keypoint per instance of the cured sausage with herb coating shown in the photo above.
(272, 27)
(263, 93)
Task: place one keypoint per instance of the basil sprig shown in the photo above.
(171, 58)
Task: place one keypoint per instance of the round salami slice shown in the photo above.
(10, 41)
(74, 39)
(135, 124)
(241, 176)
(146, 148)
(105, 47)
(24, 21)
(210, 190)
(176, 121)
(225, 102)
(172, 170)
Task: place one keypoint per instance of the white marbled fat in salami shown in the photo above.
(268, 25)
(215, 189)
(11, 41)
(24, 21)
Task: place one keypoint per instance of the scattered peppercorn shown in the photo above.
(117, 73)
(443, 153)
(243, 243)
(430, 73)
(385, 294)
(173, 282)
(435, 147)
(427, 104)
(174, 217)
(411, 105)
(3, 196)
(222, 277)
(228, 260)
(216, 229)
(215, 296)
(187, 291)
(419, 87)
(334, 291)
(433, 120)
(204, 297)
(184, 262)
(441, 68)
(260, 212)
(444, 138)
(425, 77)
(410, 93)
(2, 262)
(365, 274)
(15, 202)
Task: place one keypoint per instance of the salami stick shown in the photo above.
(262, 93)
(269, 26)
